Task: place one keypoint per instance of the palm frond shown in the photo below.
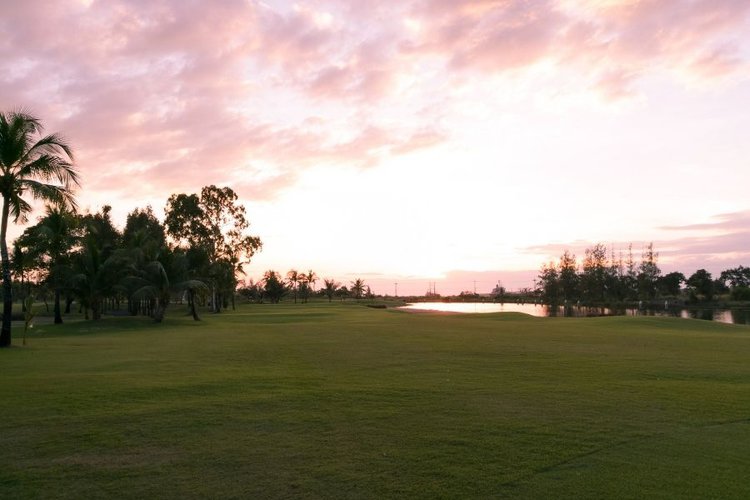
(192, 285)
(52, 144)
(48, 167)
(16, 128)
(18, 209)
(146, 292)
(58, 195)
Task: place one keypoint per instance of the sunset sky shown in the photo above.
(412, 141)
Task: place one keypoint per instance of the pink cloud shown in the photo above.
(163, 86)
(716, 246)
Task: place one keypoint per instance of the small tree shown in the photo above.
(342, 292)
(293, 277)
(273, 287)
(670, 283)
(648, 274)
(594, 275)
(568, 276)
(330, 288)
(304, 289)
(358, 288)
(702, 284)
(52, 240)
(548, 284)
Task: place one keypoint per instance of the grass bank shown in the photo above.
(329, 400)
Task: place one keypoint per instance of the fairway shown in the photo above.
(343, 401)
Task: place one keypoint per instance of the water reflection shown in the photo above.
(738, 316)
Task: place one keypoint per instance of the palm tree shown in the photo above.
(311, 278)
(159, 279)
(54, 237)
(293, 278)
(358, 288)
(95, 276)
(330, 288)
(39, 165)
(22, 261)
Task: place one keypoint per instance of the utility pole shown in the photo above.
(396, 286)
(475, 287)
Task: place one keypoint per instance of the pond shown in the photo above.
(738, 316)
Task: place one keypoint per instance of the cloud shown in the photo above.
(733, 221)
(164, 94)
(716, 246)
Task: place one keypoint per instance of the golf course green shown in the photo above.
(343, 401)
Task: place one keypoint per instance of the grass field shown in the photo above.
(332, 401)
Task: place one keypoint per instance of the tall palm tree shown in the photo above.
(33, 163)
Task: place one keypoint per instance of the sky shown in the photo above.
(455, 142)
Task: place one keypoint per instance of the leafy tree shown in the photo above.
(670, 283)
(342, 292)
(720, 286)
(548, 284)
(615, 282)
(273, 286)
(736, 277)
(185, 220)
(567, 276)
(215, 223)
(253, 291)
(142, 226)
(594, 274)
(648, 273)
(498, 293)
(330, 287)
(702, 284)
(630, 277)
(740, 293)
(29, 163)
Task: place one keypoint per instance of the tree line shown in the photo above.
(273, 288)
(194, 256)
(604, 277)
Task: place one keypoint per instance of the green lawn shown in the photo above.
(322, 401)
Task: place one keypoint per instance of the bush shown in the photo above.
(740, 293)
